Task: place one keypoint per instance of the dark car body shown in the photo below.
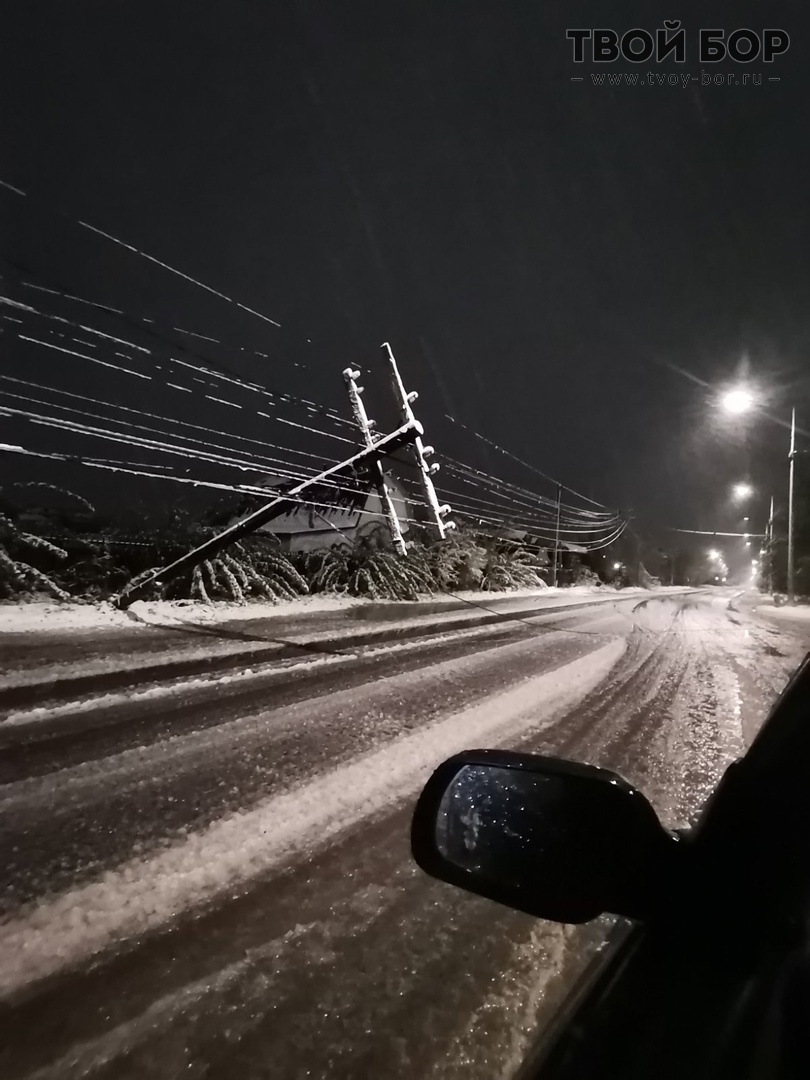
(714, 979)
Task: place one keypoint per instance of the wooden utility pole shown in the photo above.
(350, 377)
(375, 449)
(421, 452)
(557, 537)
(386, 444)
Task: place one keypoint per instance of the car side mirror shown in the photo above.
(553, 838)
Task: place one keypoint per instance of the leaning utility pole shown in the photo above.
(350, 377)
(387, 444)
(375, 449)
(421, 452)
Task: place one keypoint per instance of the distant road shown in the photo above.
(208, 873)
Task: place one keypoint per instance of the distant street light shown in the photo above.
(742, 491)
(617, 566)
(737, 401)
(714, 553)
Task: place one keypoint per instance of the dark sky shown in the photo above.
(539, 252)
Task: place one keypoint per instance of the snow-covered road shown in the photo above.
(208, 874)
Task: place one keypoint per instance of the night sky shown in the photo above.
(541, 254)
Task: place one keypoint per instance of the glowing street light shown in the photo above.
(738, 400)
(742, 491)
(617, 566)
(735, 401)
(714, 554)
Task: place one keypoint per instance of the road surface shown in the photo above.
(208, 874)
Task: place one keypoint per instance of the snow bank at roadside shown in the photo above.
(39, 616)
(45, 616)
(798, 614)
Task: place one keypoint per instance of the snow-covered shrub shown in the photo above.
(511, 566)
(251, 569)
(646, 580)
(240, 573)
(368, 568)
(458, 562)
(586, 576)
(18, 576)
(93, 571)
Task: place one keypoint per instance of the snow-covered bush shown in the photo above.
(586, 576)
(241, 573)
(18, 550)
(368, 568)
(457, 562)
(646, 580)
(511, 566)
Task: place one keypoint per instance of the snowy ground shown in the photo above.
(48, 644)
(209, 875)
(798, 615)
(46, 616)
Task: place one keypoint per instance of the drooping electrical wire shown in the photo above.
(242, 489)
(286, 470)
(520, 461)
(540, 508)
(468, 472)
(156, 261)
(312, 407)
(167, 419)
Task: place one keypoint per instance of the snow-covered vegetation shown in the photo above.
(47, 555)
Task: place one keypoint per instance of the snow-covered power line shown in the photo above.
(539, 521)
(714, 532)
(29, 310)
(128, 371)
(157, 262)
(312, 407)
(83, 356)
(321, 458)
(150, 324)
(278, 467)
(471, 474)
(133, 469)
(520, 461)
(523, 514)
(539, 506)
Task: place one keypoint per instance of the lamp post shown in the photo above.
(741, 400)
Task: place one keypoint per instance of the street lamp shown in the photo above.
(737, 400)
(742, 491)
